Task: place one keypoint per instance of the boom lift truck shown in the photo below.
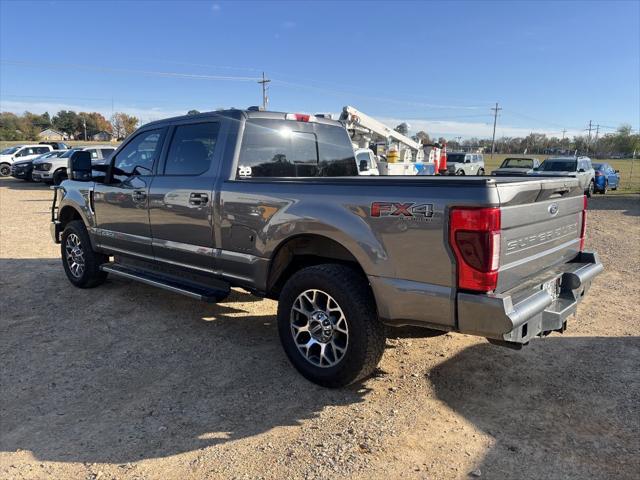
(396, 154)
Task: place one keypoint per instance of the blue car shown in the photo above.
(606, 178)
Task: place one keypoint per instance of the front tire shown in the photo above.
(5, 170)
(60, 176)
(328, 325)
(460, 172)
(481, 171)
(81, 263)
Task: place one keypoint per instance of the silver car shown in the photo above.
(578, 167)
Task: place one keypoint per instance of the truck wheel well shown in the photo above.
(68, 214)
(305, 251)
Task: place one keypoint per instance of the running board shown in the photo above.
(199, 292)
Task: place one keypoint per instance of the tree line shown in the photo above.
(75, 125)
(622, 142)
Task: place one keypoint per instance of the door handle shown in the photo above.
(198, 198)
(139, 195)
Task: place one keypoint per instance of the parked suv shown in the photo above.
(272, 203)
(54, 170)
(579, 167)
(465, 164)
(20, 152)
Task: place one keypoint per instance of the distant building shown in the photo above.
(51, 134)
(102, 137)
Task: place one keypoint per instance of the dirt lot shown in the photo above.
(130, 382)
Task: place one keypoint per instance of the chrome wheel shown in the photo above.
(74, 255)
(5, 170)
(319, 328)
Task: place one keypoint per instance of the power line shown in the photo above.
(130, 71)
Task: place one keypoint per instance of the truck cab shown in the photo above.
(366, 161)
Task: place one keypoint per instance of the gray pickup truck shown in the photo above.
(272, 203)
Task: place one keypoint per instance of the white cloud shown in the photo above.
(145, 115)
(449, 129)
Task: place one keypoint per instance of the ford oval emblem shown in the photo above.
(553, 208)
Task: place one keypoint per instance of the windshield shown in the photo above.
(517, 163)
(455, 157)
(68, 153)
(9, 151)
(558, 166)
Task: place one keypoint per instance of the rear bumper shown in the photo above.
(523, 315)
(514, 317)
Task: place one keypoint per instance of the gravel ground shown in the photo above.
(129, 382)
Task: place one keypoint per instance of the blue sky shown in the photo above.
(439, 66)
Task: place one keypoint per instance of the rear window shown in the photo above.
(517, 163)
(455, 157)
(282, 148)
(559, 166)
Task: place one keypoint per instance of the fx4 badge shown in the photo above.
(408, 210)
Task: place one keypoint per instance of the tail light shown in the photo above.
(583, 223)
(474, 235)
(300, 117)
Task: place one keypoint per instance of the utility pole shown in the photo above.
(265, 99)
(589, 137)
(495, 109)
(564, 131)
(84, 124)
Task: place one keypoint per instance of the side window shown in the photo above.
(41, 150)
(137, 157)
(192, 148)
(106, 152)
(336, 153)
(94, 153)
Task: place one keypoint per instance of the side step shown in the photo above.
(193, 290)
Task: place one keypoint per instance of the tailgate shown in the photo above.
(541, 221)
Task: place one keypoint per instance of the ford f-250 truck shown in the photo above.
(272, 203)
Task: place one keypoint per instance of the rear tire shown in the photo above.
(81, 263)
(328, 325)
(589, 191)
(605, 188)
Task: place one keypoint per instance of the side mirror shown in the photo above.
(364, 166)
(79, 166)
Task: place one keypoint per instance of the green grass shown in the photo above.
(628, 183)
